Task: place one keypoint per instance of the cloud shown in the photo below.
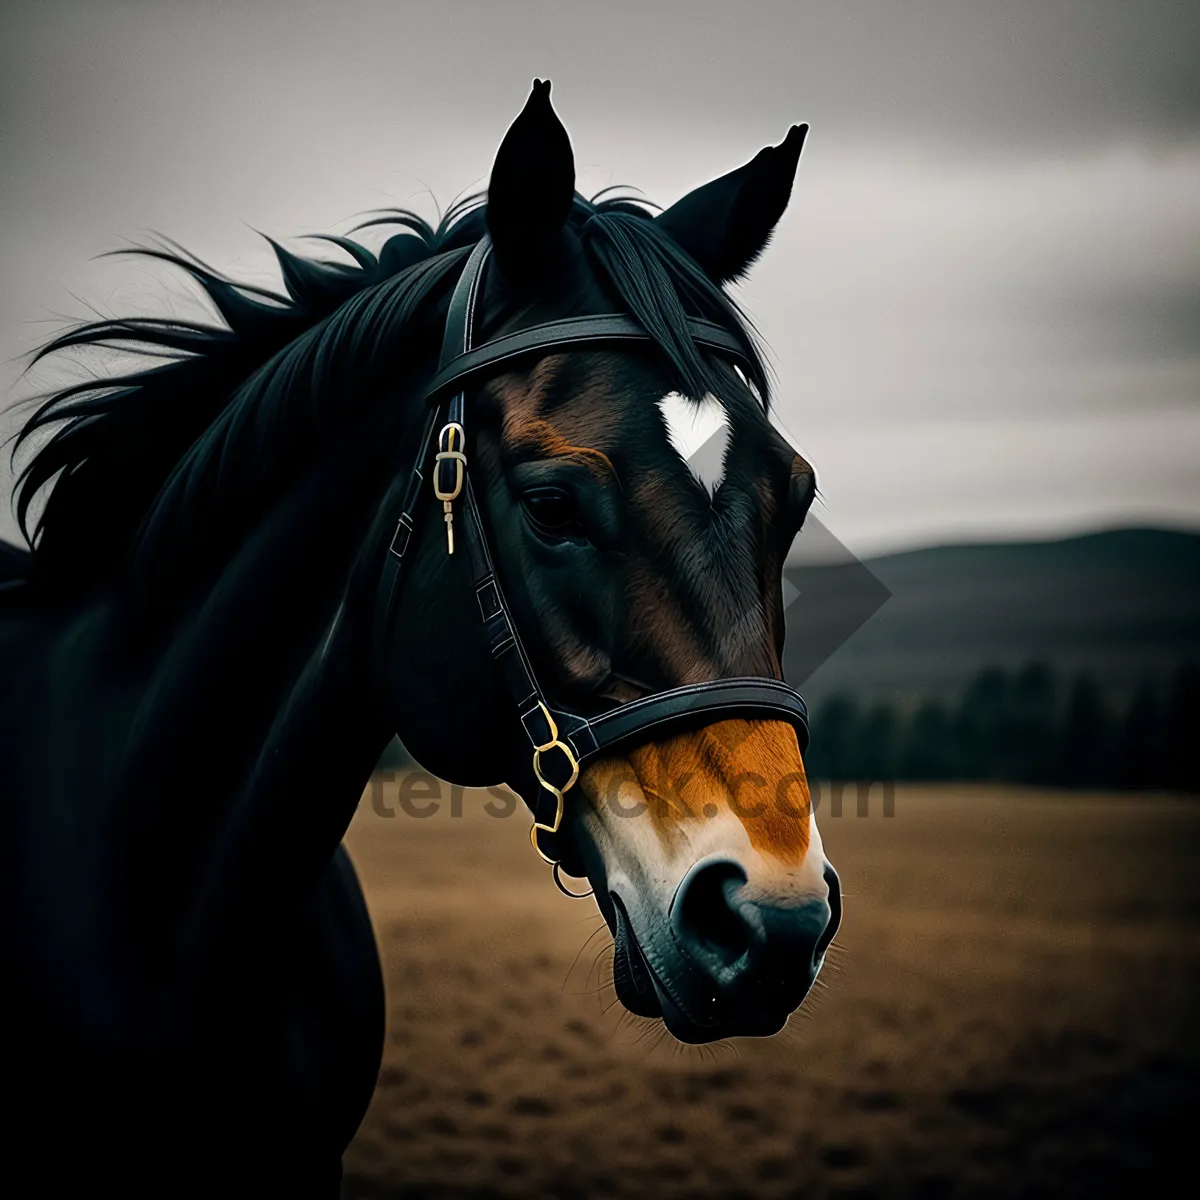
(996, 76)
(992, 245)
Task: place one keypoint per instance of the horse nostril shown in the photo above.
(705, 914)
(835, 912)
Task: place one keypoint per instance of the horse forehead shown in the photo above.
(699, 431)
(600, 401)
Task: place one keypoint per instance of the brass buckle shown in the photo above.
(446, 438)
(553, 744)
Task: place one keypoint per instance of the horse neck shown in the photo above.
(258, 724)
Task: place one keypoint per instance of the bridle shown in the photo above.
(562, 742)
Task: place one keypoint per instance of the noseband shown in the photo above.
(562, 742)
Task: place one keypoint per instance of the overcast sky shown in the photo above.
(983, 304)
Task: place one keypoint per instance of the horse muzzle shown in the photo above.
(726, 965)
(711, 873)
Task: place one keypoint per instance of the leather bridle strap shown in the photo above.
(561, 741)
(459, 321)
(752, 696)
(389, 591)
(573, 332)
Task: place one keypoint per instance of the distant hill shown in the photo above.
(1123, 605)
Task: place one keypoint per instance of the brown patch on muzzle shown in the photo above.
(752, 769)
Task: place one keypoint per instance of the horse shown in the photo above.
(277, 540)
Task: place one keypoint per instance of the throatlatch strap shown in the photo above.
(389, 592)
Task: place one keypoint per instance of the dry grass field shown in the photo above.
(1013, 1011)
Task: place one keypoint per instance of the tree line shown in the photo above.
(1027, 726)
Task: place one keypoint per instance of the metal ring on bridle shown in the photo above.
(554, 744)
(537, 768)
(533, 832)
(557, 792)
(558, 883)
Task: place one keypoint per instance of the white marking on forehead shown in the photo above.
(699, 432)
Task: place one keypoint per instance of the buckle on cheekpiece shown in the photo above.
(448, 452)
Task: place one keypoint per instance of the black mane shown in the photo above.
(224, 414)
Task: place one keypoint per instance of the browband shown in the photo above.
(561, 741)
(573, 331)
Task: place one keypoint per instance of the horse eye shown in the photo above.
(552, 510)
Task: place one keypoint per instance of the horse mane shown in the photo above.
(222, 414)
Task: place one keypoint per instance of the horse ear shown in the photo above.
(725, 225)
(532, 186)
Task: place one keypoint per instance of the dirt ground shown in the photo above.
(1014, 1011)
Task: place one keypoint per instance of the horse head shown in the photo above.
(627, 571)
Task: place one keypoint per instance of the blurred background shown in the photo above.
(982, 310)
